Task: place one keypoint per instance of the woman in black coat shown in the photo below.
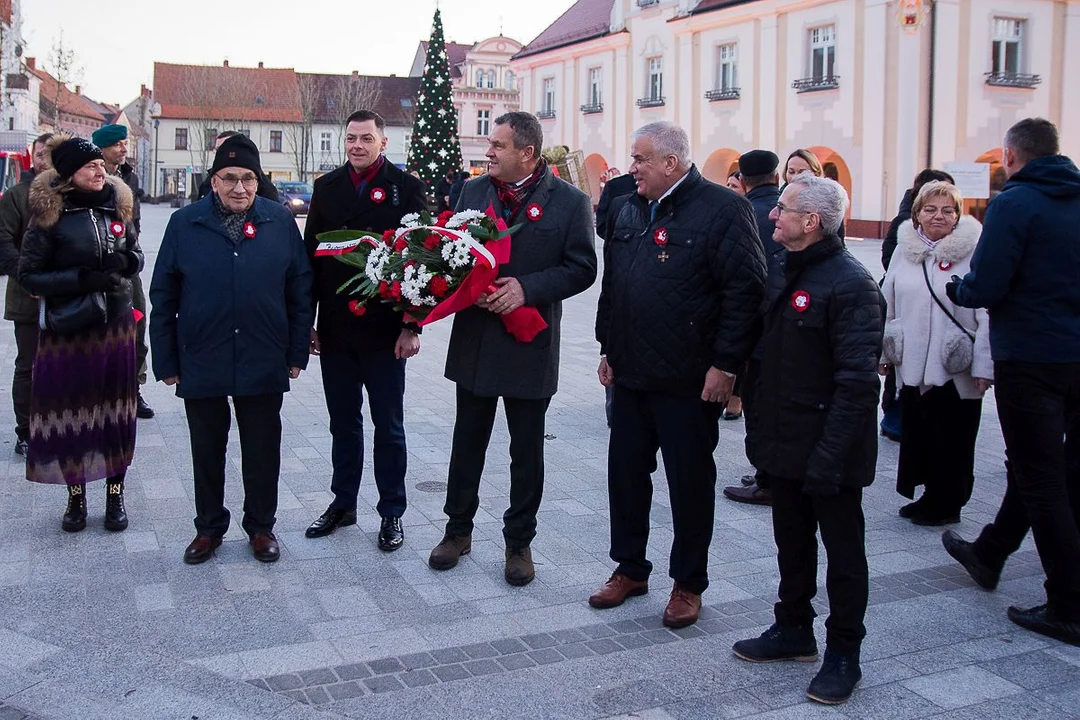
(78, 257)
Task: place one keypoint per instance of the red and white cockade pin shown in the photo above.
(116, 228)
(249, 230)
(800, 300)
(660, 236)
(378, 195)
(944, 266)
(534, 212)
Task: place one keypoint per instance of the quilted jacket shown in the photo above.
(681, 293)
(816, 405)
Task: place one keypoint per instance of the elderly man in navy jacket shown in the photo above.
(232, 317)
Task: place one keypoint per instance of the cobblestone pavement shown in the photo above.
(101, 625)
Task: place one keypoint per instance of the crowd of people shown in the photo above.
(708, 293)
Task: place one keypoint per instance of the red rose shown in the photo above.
(388, 237)
(395, 290)
(443, 217)
(384, 289)
(432, 241)
(439, 286)
(357, 308)
(401, 244)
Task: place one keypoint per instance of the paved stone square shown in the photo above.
(101, 625)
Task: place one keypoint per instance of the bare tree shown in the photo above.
(354, 92)
(300, 134)
(217, 100)
(64, 68)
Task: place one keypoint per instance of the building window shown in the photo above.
(210, 138)
(822, 52)
(483, 123)
(181, 139)
(548, 107)
(275, 141)
(491, 79)
(479, 78)
(325, 142)
(656, 79)
(596, 86)
(510, 81)
(245, 132)
(1005, 55)
(727, 67)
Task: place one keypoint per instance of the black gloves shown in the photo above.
(115, 262)
(97, 281)
(820, 487)
(951, 287)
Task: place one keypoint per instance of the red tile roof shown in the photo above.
(586, 19)
(56, 93)
(455, 56)
(394, 97)
(226, 93)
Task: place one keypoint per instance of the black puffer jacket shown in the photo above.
(64, 241)
(669, 311)
(817, 399)
(903, 215)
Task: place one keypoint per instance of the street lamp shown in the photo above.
(156, 171)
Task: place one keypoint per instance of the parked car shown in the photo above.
(296, 196)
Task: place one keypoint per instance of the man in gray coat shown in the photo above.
(553, 258)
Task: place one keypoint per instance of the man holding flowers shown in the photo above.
(553, 257)
(362, 345)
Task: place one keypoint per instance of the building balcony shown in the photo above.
(816, 84)
(545, 114)
(722, 94)
(650, 102)
(592, 109)
(1011, 79)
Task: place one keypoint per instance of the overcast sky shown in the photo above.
(117, 41)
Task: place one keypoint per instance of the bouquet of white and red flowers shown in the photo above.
(430, 268)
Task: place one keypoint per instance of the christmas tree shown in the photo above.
(435, 149)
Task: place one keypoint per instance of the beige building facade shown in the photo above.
(876, 89)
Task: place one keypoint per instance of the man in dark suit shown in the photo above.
(365, 348)
(553, 258)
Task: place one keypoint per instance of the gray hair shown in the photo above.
(827, 198)
(668, 139)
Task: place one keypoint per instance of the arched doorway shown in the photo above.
(720, 164)
(977, 207)
(596, 168)
(835, 168)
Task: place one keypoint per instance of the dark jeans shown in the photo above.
(26, 341)
(1039, 410)
(472, 433)
(259, 419)
(796, 518)
(938, 430)
(138, 301)
(685, 430)
(346, 374)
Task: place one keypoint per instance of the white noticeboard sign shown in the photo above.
(972, 178)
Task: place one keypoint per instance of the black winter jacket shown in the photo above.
(65, 241)
(816, 414)
(19, 305)
(682, 293)
(764, 199)
(903, 215)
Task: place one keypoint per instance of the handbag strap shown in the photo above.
(926, 276)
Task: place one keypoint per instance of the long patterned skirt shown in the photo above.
(82, 405)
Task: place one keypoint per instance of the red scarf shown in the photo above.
(513, 196)
(360, 180)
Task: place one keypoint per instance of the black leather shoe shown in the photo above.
(837, 679)
(963, 552)
(116, 519)
(779, 642)
(142, 410)
(74, 519)
(21, 446)
(264, 546)
(201, 549)
(330, 521)
(1042, 619)
(391, 534)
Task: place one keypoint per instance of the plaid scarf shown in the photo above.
(513, 195)
(233, 221)
(362, 179)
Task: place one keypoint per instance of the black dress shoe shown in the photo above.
(264, 546)
(1043, 620)
(391, 534)
(330, 521)
(21, 446)
(910, 510)
(142, 410)
(201, 549)
(964, 553)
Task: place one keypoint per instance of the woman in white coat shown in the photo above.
(941, 353)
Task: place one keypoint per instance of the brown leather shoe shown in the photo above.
(201, 549)
(682, 609)
(519, 566)
(751, 494)
(446, 554)
(614, 592)
(264, 546)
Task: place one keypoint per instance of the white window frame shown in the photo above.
(654, 76)
(727, 66)
(491, 79)
(1007, 31)
(510, 81)
(596, 86)
(326, 141)
(483, 123)
(822, 43)
(548, 95)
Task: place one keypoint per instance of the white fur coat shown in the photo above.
(916, 329)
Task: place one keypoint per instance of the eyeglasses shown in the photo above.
(780, 210)
(930, 211)
(231, 181)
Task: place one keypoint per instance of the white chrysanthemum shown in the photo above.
(412, 220)
(376, 264)
(465, 217)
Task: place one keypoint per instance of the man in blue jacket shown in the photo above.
(231, 317)
(1025, 271)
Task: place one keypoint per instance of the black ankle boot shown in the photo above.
(75, 515)
(836, 680)
(115, 514)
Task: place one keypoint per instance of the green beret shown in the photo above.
(109, 135)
